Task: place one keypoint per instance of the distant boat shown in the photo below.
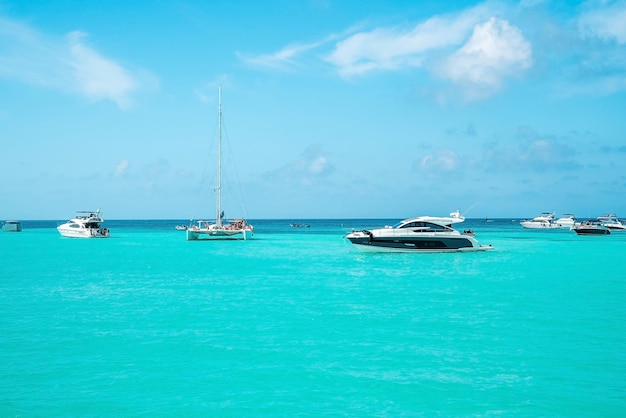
(296, 225)
(12, 226)
(544, 221)
(86, 224)
(220, 229)
(181, 227)
(591, 228)
(611, 221)
(568, 220)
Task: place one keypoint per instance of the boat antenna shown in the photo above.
(470, 208)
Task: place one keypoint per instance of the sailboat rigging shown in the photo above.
(233, 229)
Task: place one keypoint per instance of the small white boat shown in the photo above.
(12, 226)
(297, 225)
(181, 227)
(423, 234)
(544, 221)
(568, 220)
(86, 224)
(611, 221)
(220, 229)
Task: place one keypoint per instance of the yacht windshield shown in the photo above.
(426, 226)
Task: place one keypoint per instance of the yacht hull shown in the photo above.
(424, 244)
(591, 230)
(613, 227)
(539, 225)
(83, 232)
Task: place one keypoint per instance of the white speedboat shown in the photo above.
(423, 234)
(568, 220)
(544, 221)
(220, 228)
(86, 224)
(611, 221)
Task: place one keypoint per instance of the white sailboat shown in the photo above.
(220, 229)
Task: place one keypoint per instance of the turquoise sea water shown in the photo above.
(298, 323)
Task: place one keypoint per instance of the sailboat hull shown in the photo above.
(219, 234)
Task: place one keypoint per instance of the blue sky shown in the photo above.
(341, 108)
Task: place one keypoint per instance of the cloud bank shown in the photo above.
(397, 48)
(66, 63)
(606, 22)
(495, 50)
(475, 52)
(312, 166)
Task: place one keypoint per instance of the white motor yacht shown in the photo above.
(611, 221)
(423, 234)
(544, 221)
(568, 220)
(86, 224)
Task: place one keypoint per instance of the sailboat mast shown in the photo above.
(218, 217)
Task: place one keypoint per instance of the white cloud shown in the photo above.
(473, 53)
(26, 56)
(63, 63)
(391, 49)
(207, 92)
(289, 56)
(545, 154)
(474, 50)
(318, 165)
(157, 169)
(313, 164)
(282, 59)
(121, 168)
(607, 22)
(536, 153)
(96, 76)
(496, 49)
(597, 64)
(441, 162)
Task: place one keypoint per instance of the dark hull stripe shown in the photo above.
(415, 244)
(592, 231)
